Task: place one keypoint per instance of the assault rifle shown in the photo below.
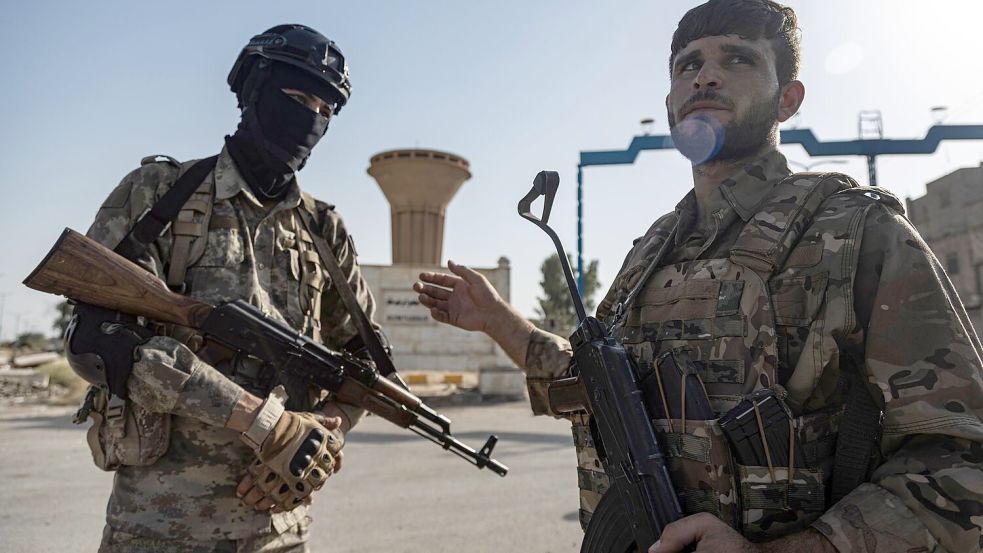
(642, 500)
(87, 272)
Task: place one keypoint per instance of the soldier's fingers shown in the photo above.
(432, 303)
(432, 291)
(245, 485)
(677, 535)
(331, 423)
(337, 461)
(427, 301)
(469, 275)
(253, 497)
(265, 504)
(440, 279)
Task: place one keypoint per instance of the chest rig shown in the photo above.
(210, 242)
(730, 317)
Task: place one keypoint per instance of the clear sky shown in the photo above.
(514, 86)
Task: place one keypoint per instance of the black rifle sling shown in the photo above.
(153, 222)
(383, 363)
(148, 228)
(859, 435)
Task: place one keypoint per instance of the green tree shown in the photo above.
(555, 312)
(64, 310)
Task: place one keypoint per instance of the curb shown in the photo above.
(433, 378)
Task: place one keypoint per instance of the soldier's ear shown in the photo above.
(790, 99)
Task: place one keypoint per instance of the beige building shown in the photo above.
(419, 184)
(950, 218)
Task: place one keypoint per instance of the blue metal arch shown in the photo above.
(868, 148)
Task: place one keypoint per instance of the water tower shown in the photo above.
(418, 184)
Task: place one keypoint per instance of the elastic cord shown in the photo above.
(764, 441)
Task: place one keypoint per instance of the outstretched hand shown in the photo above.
(464, 299)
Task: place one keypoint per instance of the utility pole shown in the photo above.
(867, 147)
(3, 302)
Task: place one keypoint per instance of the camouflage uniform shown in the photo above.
(854, 286)
(186, 494)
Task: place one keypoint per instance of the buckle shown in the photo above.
(115, 407)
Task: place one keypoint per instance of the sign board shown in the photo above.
(401, 306)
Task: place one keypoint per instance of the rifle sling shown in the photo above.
(859, 435)
(134, 244)
(383, 363)
(153, 222)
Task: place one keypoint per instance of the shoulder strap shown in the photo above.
(383, 362)
(153, 222)
(768, 238)
(191, 224)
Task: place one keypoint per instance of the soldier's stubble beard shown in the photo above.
(745, 137)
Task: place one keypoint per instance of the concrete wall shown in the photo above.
(950, 219)
(419, 342)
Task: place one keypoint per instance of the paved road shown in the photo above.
(397, 492)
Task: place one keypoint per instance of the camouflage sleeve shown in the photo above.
(167, 377)
(136, 193)
(337, 329)
(547, 358)
(923, 362)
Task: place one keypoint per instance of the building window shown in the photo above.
(952, 264)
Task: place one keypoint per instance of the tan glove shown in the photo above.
(295, 457)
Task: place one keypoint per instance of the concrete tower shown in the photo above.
(418, 184)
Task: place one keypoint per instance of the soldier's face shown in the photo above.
(729, 84)
(312, 102)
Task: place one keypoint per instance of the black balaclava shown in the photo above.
(276, 133)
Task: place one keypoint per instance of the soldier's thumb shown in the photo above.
(468, 274)
(331, 423)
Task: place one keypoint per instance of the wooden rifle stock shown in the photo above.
(83, 270)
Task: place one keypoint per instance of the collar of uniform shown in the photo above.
(229, 182)
(747, 189)
(688, 214)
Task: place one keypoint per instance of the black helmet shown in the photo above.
(299, 46)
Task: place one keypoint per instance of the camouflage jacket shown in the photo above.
(887, 305)
(265, 257)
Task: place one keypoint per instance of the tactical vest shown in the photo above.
(205, 246)
(201, 239)
(745, 321)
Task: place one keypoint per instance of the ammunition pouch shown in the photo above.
(122, 432)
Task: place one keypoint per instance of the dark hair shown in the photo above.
(749, 19)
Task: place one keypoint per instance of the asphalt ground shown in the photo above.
(397, 492)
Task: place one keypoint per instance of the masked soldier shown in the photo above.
(215, 452)
(805, 286)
